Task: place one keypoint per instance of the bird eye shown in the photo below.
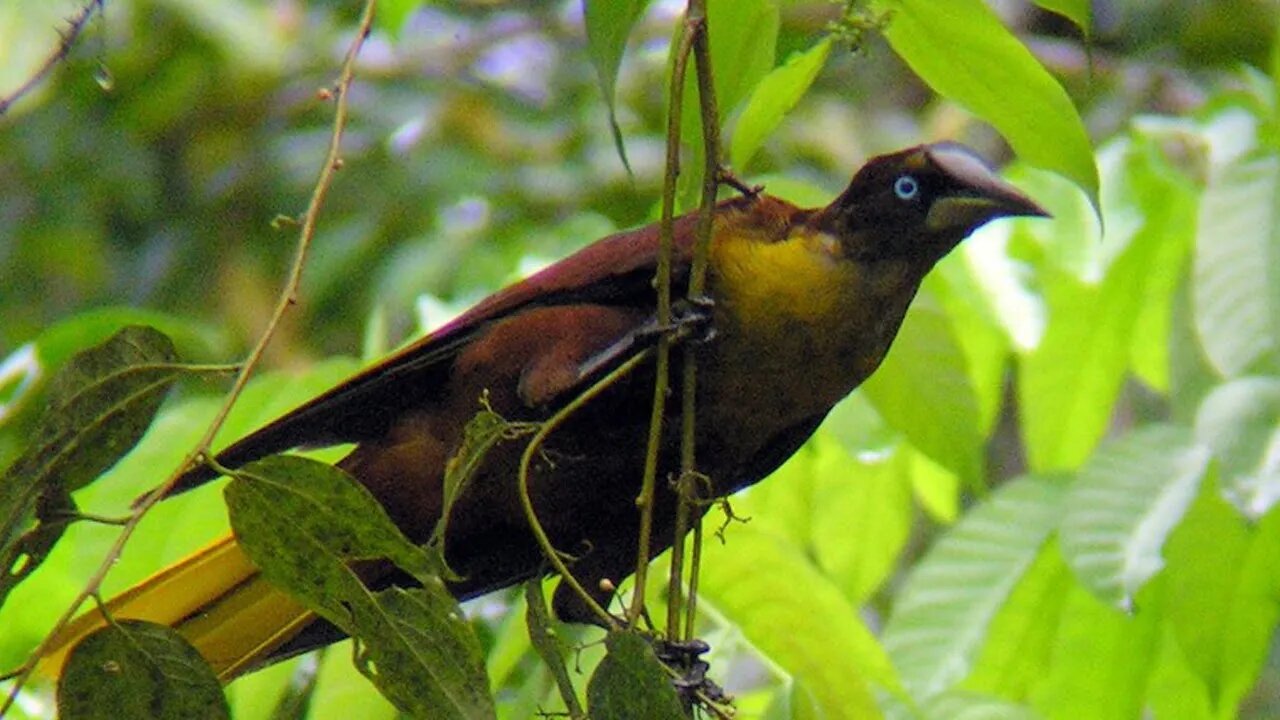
(906, 187)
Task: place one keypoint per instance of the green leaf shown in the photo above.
(971, 706)
(630, 682)
(960, 48)
(548, 645)
(773, 98)
(942, 615)
(135, 669)
(923, 391)
(1222, 602)
(797, 618)
(1079, 12)
(1071, 380)
(862, 517)
(1101, 660)
(392, 14)
(304, 522)
(1237, 266)
(608, 24)
(99, 406)
(1122, 507)
(1019, 644)
(483, 431)
(743, 37)
(1240, 422)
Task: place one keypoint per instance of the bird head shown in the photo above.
(919, 203)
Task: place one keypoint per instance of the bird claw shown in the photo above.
(690, 321)
(691, 682)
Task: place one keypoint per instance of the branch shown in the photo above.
(75, 25)
(288, 298)
(662, 282)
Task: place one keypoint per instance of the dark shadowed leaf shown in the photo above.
(631, 683)
(1077, 11)
(98, 407)
(138, 670)
(304, 522)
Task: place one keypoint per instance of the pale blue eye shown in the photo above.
(906, 187)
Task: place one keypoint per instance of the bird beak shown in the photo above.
(982, 196)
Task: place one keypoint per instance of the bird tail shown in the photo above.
(216, 598)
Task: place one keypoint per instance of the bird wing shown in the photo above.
(615, 271)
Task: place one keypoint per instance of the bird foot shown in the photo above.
(691, 682)
(690, 322)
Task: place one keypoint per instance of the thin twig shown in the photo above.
(288, 297)
(68, 38)
(535, 444)
(662, 282)
(711, 174)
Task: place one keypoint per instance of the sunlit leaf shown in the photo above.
(743, 37)
(1222, 583)
(862, 517)
(1127, 499)
(1240, 422)
(135, 670)
(773, 98)
(923, 390)
(1095, 295)
(1102, 661)
(961, 49)
(797, 618)
(1017, 651)
(1237, 266)
(942, 614)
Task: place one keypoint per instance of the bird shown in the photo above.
(800, 307)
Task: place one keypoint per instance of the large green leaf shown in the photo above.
(960, 48)
(743, 37)
(1101, 660)
(1019, 644)
(923, 390)
(943, 613)
(135, 669)
(1069, 383)
(1122, 507)
(773, 98)
(304, 522)
(1223, 578)
(862, 513)
(99, 406)
(797, 618)
(1237, 266)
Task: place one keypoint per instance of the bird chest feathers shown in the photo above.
(826, 321)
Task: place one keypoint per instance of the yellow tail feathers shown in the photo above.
(216, 598)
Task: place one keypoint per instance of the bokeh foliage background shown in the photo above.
(141, 183)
